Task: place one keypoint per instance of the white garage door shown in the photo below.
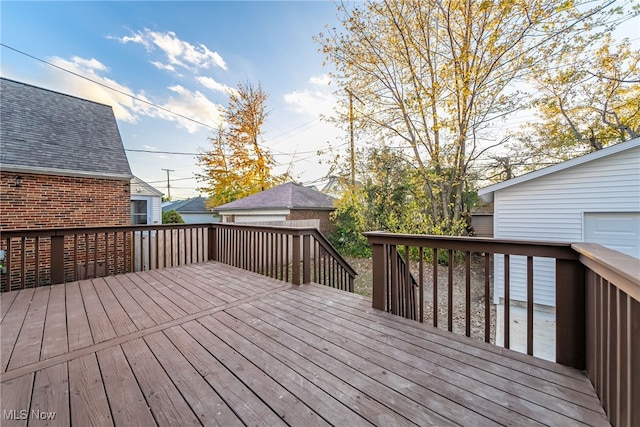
(619, 231)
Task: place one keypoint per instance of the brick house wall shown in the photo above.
(51, 201)
(326, 226)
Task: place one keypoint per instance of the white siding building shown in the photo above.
(593, 198)
(146, 202)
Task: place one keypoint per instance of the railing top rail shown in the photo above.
(618, 268)
(477, 244)
(295, 231)
(65, 231)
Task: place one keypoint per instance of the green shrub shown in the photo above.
(172, 217)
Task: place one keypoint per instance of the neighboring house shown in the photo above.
(192, 211)
(62, 162)
(286, 202)
(335, 187)
(146, 203)
(593, 198)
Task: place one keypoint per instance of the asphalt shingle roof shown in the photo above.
(49, 132)
(192, 205)
(284, 196)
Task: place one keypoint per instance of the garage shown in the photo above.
(593, 198)
(616, 230)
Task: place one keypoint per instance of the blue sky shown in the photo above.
(183, 56)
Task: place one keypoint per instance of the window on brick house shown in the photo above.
(138, 212)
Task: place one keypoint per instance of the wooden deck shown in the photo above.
(209, 344)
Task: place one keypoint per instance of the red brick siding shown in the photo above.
(325, 223)
(48, 201)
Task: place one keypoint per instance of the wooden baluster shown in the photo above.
(468, 294)
(435, 287)
(530, 305)
(487, 292)
(450, 293)
(421, 283)
(507, 301)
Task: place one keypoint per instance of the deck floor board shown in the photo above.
(14, 317)
(120, 320)
(563, 386)
(408, 359)
(78, 329)
(210, 344)
(29, 342)
(54, 341)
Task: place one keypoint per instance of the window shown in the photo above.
(138, 212)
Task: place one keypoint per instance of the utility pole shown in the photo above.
(353, 149)
(353, 157)
(168, 182)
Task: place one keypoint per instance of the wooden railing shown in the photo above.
(293, 254)
(597, 301)
(613, 330)
(49, 256)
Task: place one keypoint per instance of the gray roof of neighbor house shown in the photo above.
(52, 133)
(192, 205)
(284, 196)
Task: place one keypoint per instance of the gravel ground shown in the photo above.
(365, 276)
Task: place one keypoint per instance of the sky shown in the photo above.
(184, 57)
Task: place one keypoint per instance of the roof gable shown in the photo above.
(284, 196)
(192, 205)
(486, 193)
(138, 184)
(49, 132)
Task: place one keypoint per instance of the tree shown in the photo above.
(172, 217)
(236, 165)
(587, 101)
(391, 198)
(433, 75)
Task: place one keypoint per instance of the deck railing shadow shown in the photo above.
(597, 293)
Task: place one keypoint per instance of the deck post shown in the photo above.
(295, 279)
(57, 260)
(306, 258)
(570, 314)
(379, 276)
(213, 243)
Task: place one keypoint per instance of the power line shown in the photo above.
(151, 104)
(177, 153)
(110, 88)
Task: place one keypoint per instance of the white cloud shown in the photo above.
(162, 66)
(184, 102)
(191, 104)
(322, 80)
(92, 64)
(178, 52)
(124, 107)
(210, 83)
(315, 100)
